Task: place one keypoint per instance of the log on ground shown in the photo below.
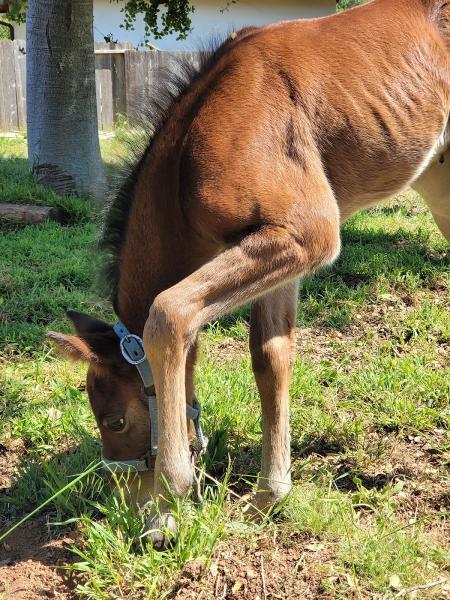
(29, 213)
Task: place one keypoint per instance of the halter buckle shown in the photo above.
(132, 349)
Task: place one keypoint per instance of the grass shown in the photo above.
(369, 411)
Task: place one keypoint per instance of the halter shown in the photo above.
(132, 349)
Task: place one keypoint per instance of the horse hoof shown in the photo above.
(266, 502)
(162, 531)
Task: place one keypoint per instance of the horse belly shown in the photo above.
(365, 174)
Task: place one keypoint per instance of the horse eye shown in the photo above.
(116, 426)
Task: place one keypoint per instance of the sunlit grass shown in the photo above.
(372, 368)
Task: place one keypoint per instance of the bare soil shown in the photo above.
(369, 327)
(259, 569)
(10, 457)
(417, 463)
(31, 562)
(32, 557)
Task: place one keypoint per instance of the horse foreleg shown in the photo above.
(260, 262)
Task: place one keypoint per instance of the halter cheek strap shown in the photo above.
(132, 349)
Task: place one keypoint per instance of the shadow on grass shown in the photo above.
(245, 458)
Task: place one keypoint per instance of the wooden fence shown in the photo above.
(124, 80)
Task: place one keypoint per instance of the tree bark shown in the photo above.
(63, 146)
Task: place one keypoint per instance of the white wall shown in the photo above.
(207, 20)
(19, 32)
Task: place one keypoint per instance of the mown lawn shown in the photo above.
(369, 513)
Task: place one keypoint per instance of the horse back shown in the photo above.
(358, 100)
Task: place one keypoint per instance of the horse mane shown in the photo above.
(152, 117)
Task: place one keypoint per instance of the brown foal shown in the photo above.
(287, 131)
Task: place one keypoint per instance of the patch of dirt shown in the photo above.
(371, 325)
(259, 569)
(31, 561)
(369, 328)
(374, 324)
(418, 462)
(11, 452)
(229, 348)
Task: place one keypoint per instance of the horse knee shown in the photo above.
(272, 356)
(167, 323)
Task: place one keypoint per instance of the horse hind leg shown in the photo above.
(272, 338)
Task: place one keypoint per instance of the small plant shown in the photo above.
(344, 4)
(110, 38)
(377, 501)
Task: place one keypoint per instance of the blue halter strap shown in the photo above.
(132, 349)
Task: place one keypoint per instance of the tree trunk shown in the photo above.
(63, 146)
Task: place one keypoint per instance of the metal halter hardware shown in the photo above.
(132, 349)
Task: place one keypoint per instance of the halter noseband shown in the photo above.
(132, 349)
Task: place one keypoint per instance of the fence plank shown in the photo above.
(138, 79)
(8, 93)
(21, 83)
(118, 86)
(104, 85)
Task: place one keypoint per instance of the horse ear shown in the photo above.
(85, 324)
(95, 340)
(73, 347)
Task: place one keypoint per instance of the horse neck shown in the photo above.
(146, 261)
(159, 248)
